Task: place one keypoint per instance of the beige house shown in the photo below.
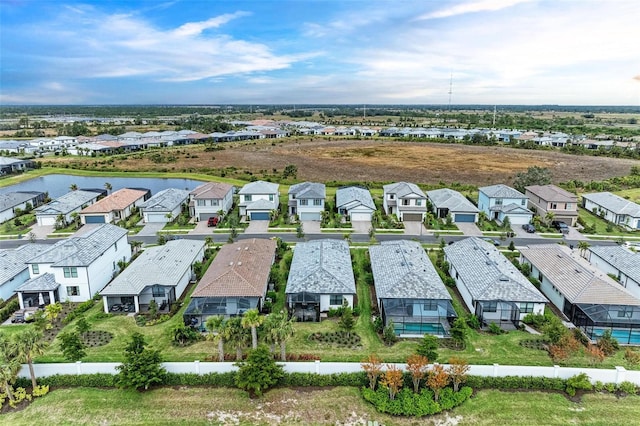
(114, 207)
(550, 198)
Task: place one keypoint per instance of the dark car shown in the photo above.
(492, 241)
(529, 228)
(560, 226)
(213, 221)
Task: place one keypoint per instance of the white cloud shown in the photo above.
(471, 7)
(195, 28)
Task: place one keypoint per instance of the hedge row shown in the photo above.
(516, 382)
(80, 309)
(9, 309)
(408, 403)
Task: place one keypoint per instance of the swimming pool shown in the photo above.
(623, 336)
(418, 328)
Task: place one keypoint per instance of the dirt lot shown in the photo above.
(377, 161)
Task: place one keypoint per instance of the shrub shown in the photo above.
(578, 382)
(581, 337)
(628, 387)
(80, 309)
(389, 334)
(473, 322)
(259, 372)
(408, 403)
(631, 356)
(495, 329)
(9, 309)
(40, 390)
(378, 325)
(428, 347)
(607, 343)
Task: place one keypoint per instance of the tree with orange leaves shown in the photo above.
(392, 380)
(373, 367)
(417, 365)
(458, 369)
(437, 379)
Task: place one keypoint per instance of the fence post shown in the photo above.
(495, 370)
(78, 367)
(620, 373)
(556, 371)
(317, 362)
(196, 365)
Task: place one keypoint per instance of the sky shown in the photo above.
(565, 52)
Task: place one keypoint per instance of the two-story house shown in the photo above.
(501, 201)
(306, 200)
(545, 199)
(406, 200)
(210, 200)
(258, 199)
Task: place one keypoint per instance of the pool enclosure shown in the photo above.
(418, 316)
(503, 313)
(304, 306)
(594, 319)
(201, 308)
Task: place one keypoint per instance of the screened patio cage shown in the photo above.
(501, 312)
(304, 306)
(201, 308)
(622, 320)
(418, 316)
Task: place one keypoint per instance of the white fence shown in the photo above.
(616, 375)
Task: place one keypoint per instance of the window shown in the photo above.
(523, 202)
(405, 202)
(498, 202)
(418, 202)
(201, 202)
(568, 206)
(116, 246)
(490, 306)
(540, 276)
(70, 272)
(430, 305)
(554, 206)
(35, 269)
(247, 197)
(335, 300)
(157, 291)
(526, 308)
(303, 202)
(317, 202)
(73, 291)
(270, 197)
(214, 202)
(392, 197)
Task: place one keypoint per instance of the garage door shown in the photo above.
(360, 216)
(259, 216)
(206, 216)
(519, 219)
(412, 217)
(94, 219)
(310, 216)
(469, 218)
(46, 221)
(156, 217)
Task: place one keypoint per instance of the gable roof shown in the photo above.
(162, 265)
(452, 200)
(402, 270)
(119, 200)
(575, 278)
(81, 250)
(14, 261)
(308, 190)
(259, 187)
(510, 209)
(488, 274)
(356, 195)
(620, 258)
(402, 189)
(501, 191)
(552, 193)
(260, 205)
(239, 269)
(67, 203)
(43, 282)
(323, 267)
(614, 203)
(165, 200)
(13, 199)
(211, 190)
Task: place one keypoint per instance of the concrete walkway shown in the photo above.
(361, 226)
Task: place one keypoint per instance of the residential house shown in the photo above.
(320, 278)
(619, 262)
(14, 270)
(355, 203)
(23, 201)
(210, 200)
(613, 208)
(406, 200)
(235, 282)
(490, 285)
(115, 207)
(160, 273)
(65, 206)
(13, 165)
(258, 199)
(165, 206)
(550, 199)
(306, 200)
(409, 291)
(499, 202)
(79, 266)
(589, 298)
(445, 202)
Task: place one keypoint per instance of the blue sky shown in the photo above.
(568, 52)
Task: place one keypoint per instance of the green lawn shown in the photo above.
(603, 227)
(10, 228)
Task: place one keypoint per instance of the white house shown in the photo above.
(258, 199)
(81, 265)
(13, 201)
(14, 270)
(306, 200)
(160, 273)
(115, 207)
(355, 203)
(500, 201)
(65, 205)
(209, 199)
(165, 206)
(613, 208)
(446, 202)
(619, 262)
(406, 200)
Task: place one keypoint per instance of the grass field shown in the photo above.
(309, 406)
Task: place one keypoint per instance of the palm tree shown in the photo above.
(108, 187)
(548, 218)
(30, 343)
(215, 325)
(237, 335)
(208, 241)
(252, 319)
(75, 216)
(135, 245)
(73, 187)
(283, 332)
(583, 246)
(9, 364)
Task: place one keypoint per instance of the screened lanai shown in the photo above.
(201, 308)
(418, 316)
(304, 306)
(622, 320)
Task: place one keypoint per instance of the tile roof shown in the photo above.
(259, 187)
(260, 205)
(402, 270)
(501, 191)
(402, 189)
(510, 208)
(119, 200)
(239, 269)
(44, 282)
(354, 194)
(211, 190)
(162, 265)
(308, 190)
(165, 200)
(620, 258)
(82, 250)
(323, 267)
(67, 203)
(552, 193)
(488, 274)
(614, 203)
(13, 199)
(14, 261)
(575, 278)
(453, 200)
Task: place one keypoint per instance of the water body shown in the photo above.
(57, 185)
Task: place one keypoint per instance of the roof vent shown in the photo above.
(578, 271)
(230, 263)
(239, 263)
(246, 248)
(238, 249)
(559, 255)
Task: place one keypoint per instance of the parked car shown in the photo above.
(213, 221)
(560, 226)
(529, 228)
(492, 241)
(18, 316)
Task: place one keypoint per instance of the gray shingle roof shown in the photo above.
(67, 203)
(14, 261)
(354, 194)
(44, 282)
(575, 278)
(82, 250)
(489, 275)
(501, 191)
(261, 205)
(510, 208)
(552, 193)
(161, 265)
(259, 187)
(620, 258)
(402, 189)
(453, 200)
(322, 267)
(13, 199)
(165, 200)
(308, 190)
(615, 203)
(402, 270)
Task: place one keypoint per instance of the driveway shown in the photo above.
(469, 229)
(521, 233)
(257, 227)
(150, 229)
(40, 232)
(361, 226)
(414, 228)
(574, 234)
(311, 227)
(201, 228)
